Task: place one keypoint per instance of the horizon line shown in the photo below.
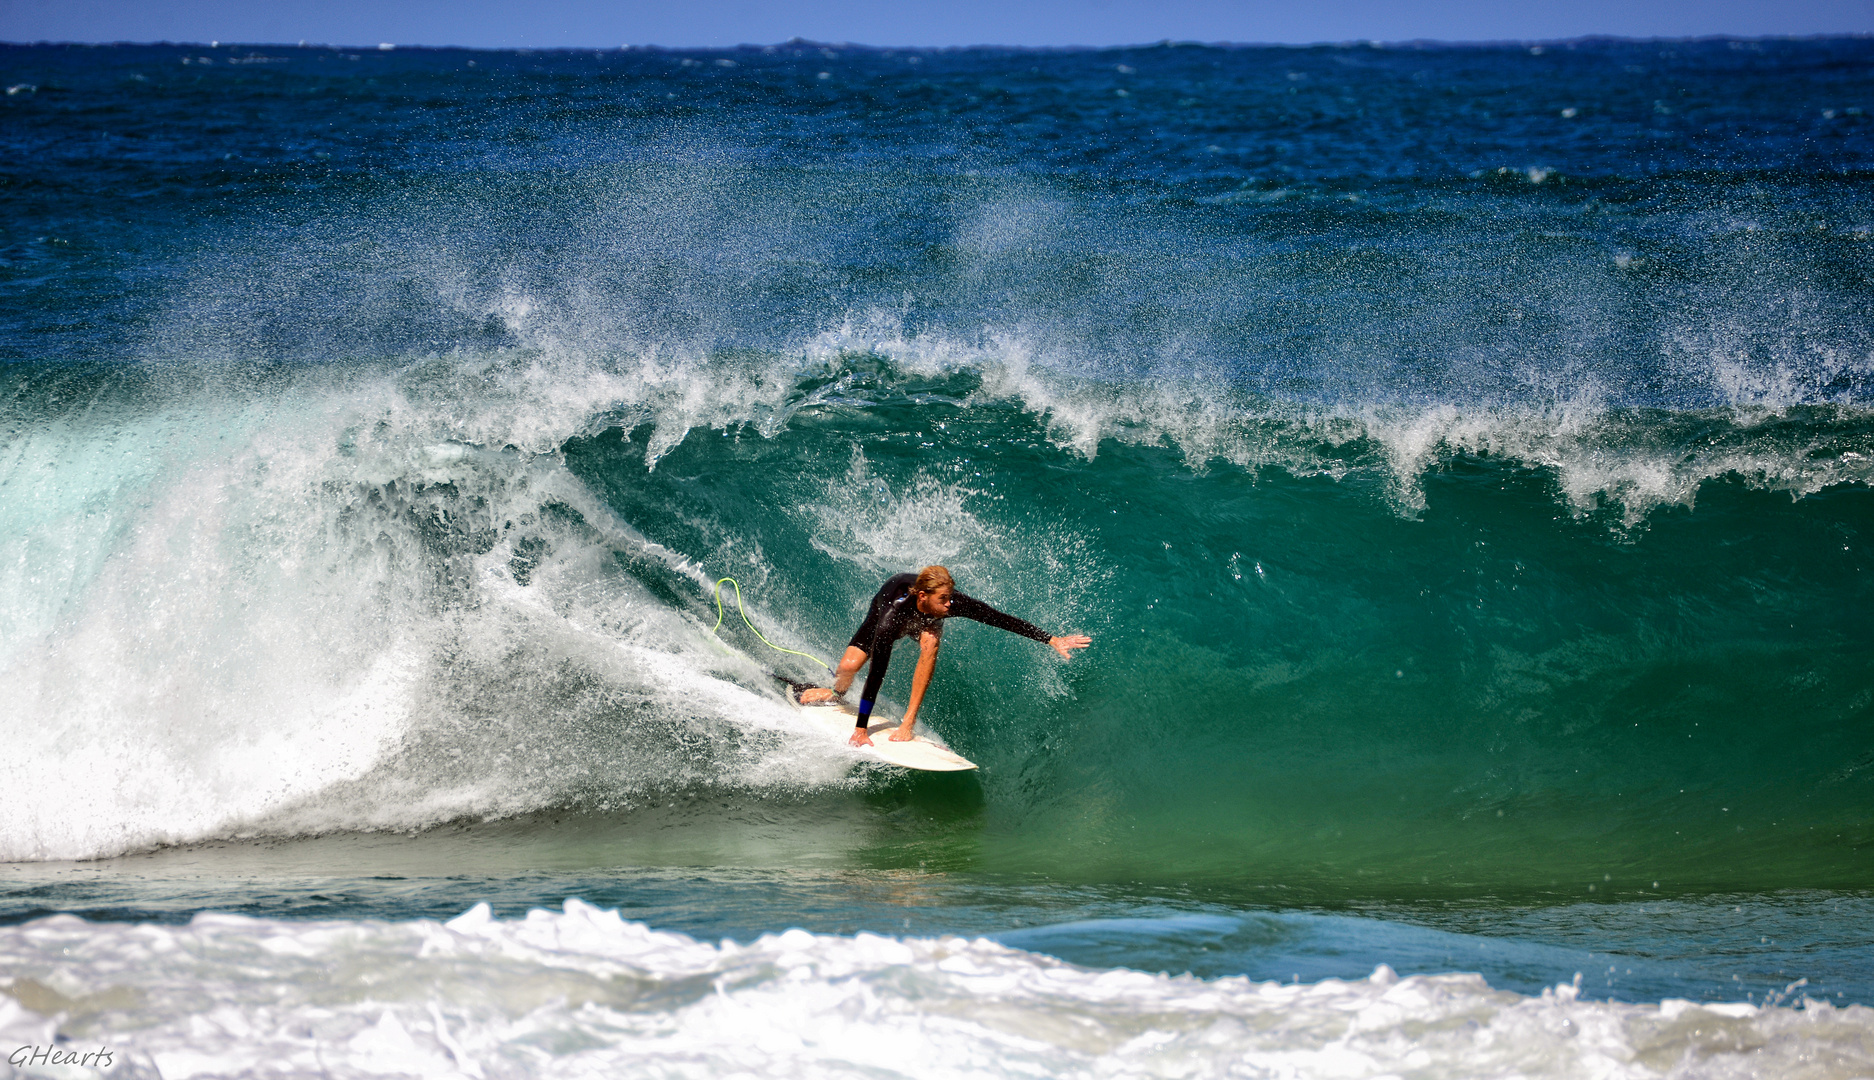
(797, 42)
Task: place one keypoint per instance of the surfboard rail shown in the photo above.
(921, 752)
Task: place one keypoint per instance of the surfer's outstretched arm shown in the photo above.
(969, 607)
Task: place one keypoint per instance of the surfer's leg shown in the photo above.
(849, 665)
(857, 649)
(855, 655)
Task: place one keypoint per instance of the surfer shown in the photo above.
(917, 604)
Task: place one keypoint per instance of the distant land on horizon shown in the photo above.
(1042, 24)
(860, 46)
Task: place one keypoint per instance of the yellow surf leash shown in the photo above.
(744, 613)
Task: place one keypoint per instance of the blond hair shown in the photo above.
(932, 578)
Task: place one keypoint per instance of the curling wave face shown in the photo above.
(474, 587)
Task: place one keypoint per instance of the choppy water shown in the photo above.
(1459, 456)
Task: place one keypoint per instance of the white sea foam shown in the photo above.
(583, 992)
(302, 614)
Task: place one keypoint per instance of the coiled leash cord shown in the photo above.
(744, 613)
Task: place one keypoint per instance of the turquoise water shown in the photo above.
(1458, 456)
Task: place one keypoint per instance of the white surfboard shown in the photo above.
(917, 753)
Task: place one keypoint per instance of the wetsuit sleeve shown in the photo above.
(968, 607)
(879, 657)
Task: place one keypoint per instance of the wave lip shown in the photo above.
(584, 990)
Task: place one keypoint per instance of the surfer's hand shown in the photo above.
(813, 695)
(1071, 641)
(860, 737)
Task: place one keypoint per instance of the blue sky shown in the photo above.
(703, 23)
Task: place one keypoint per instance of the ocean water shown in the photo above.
(1459, 456)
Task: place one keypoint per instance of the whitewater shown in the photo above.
(582, 992)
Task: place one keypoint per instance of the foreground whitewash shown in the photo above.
(585, 993)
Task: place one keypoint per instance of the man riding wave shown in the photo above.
(917, 604)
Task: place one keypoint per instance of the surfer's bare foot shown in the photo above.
(813, 695)
(860, 737)
(902, 734)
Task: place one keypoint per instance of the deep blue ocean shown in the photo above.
(1460, 457)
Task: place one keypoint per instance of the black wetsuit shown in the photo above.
(894, 615)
